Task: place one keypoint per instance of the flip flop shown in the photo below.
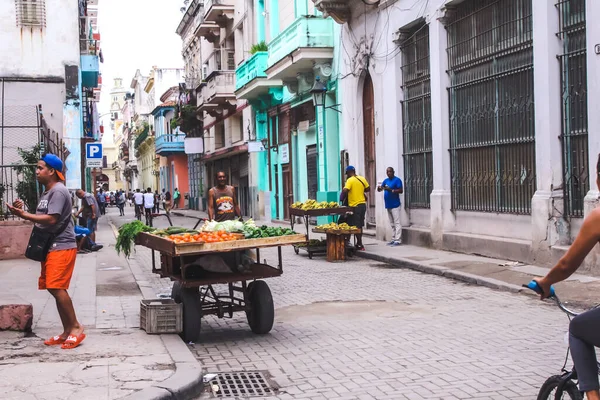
(54, 341)
(73, 341)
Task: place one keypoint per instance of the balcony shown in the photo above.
(220, 60)
(218, 94)
(90, 70)
(339, 10)
(218, 11)
(308, 40)
(251, 79)
(208, 30)
(167, 145)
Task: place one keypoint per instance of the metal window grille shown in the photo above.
(492, 132)
(31, 12)
(416, 117)
(574, 135)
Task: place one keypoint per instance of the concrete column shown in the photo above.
(593, 96)
(441, 202)
(548, 226)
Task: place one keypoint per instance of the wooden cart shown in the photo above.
(336, 242)
(306, 214)
(194, 287)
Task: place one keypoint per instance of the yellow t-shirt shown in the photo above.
(356, 190)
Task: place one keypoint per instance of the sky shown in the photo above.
(136, 34)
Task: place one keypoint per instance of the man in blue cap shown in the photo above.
(354, 190)
(53, 215)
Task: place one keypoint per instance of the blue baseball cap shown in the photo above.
(55, 163)
(350, 168)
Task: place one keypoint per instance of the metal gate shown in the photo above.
(574, 135)
(492, 132)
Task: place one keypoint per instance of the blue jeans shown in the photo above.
(92, 224)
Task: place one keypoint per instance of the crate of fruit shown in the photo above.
(161, 316)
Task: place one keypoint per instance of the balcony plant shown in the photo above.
(187, 120)
(260, 46)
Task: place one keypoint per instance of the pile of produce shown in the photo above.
(314, 205)
(127, 234)
(335, 227)
(227, 226)
(314, 243)
(266, 231)
(203, 237)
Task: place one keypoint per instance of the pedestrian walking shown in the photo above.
(138, 199)
(355, 193)
(121, 202)
(156, 202)
(392, 188)
(148, 206)
(101, 200)
(176, 197)
(167, 201)
(90, 210)
(52, 242)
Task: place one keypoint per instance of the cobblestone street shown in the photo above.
(363, 330)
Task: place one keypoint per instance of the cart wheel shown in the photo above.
(176, 292)
(262, 312)
(192, 312)
(296, 250)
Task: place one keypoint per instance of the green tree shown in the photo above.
(27, 187)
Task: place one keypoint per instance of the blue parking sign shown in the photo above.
(93, 155)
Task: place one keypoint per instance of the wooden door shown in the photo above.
(369, 143)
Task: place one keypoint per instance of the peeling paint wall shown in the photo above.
(39, 52)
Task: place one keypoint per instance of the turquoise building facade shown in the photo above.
(301, 138)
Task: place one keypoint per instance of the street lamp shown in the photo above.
(318, 92)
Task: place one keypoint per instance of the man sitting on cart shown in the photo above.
(222, 201)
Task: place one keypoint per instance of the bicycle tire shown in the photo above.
(546, 391)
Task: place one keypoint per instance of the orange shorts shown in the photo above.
(57, 269)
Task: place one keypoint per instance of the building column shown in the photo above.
(442, 217)
(592, 10)
(548, 227)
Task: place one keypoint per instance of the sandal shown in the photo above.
(53, 341)
(361, 248)
(73, 341)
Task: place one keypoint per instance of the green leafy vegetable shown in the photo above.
(127, 234)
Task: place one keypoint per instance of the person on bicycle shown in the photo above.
(584, 332)
(138, 200)
(149, 205)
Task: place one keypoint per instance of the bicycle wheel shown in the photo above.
(548, 389)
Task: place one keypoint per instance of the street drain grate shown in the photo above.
(241, 384)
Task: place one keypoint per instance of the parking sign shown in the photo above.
(93, 155)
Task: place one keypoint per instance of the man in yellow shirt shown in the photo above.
(355, 191)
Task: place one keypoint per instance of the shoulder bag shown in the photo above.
(40, 242)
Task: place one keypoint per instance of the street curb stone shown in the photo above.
(445, 272)
(187, 381)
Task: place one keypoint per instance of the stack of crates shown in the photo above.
(161, 316)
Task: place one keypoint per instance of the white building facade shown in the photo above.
(496, 159)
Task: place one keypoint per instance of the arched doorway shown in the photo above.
(102, 182)
(369, 143)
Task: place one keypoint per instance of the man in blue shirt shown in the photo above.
(392, 188)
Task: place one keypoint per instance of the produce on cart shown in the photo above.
(313, 208)
(336, 235)
(218, 253)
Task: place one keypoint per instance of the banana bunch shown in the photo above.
(335, 227)
(314, 205)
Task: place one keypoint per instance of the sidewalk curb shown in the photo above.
(444, 272)
(187, 381)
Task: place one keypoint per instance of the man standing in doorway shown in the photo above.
(392, 187)
(90, 210)
(222, 201)
(354, 191)
(53, 215)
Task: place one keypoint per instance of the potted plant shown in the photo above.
(260, 46)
